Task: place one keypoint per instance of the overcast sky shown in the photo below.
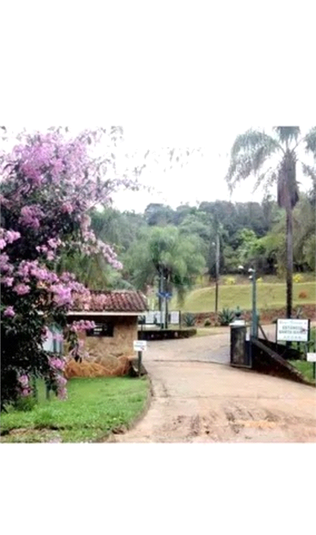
(202, 178)
(177, 74)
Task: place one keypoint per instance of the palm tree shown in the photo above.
(250, 153)
(165, 257)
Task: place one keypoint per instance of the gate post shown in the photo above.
(238, 350)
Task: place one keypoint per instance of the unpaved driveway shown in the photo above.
(198, 397)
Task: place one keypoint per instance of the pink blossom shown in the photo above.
(82, 325)
(67, 208)
(62, 295)
(32, 173)
(25, 392)
(62, 381)
(5, 264)
(24, 380)
(53, 243)
(8, 281)
(62, 394)
(3, 243)
(22, 289)
(9, 312)
(50, 255)
(30, 216)
(56, 363)
(12, 236)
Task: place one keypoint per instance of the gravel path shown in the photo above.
(198, 397)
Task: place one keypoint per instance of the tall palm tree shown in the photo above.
(250, 154)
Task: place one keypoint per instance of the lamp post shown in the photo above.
(254, 325)
(254, 322)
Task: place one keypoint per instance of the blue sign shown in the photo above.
(167, 295)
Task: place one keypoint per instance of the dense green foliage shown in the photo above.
(251, 233)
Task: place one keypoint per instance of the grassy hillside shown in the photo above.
(269, 295)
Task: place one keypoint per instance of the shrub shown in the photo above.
(207, 323)
(302, 295)
(298, 277)
(230, 281)
(226, 316)
(189, 320)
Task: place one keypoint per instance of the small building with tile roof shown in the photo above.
(115, 314)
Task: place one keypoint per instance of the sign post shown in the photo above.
(311, 357)
(140, 346)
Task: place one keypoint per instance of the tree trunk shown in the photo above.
(289, 261)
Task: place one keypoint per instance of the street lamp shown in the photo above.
(254, 323)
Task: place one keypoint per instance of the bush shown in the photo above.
(230, 281)
(302, 295)
(189, 320)
(298, 277)
(207, 323)
(226, 316)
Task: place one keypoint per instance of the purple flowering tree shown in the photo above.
(49, 183)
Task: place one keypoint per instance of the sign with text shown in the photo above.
(140, 345)
(295, 330)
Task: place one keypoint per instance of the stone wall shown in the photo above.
(118, 345)
(108, 355)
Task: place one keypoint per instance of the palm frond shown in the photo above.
(252, 140)
(287, 133)
(269, 177)
(310, 141)
(248, 154)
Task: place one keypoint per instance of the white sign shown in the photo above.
(311, 357)
(175, 317)
(289, 330)
(153, 317)
(140, 345)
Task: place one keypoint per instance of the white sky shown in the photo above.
(176, 74)
(201, 179)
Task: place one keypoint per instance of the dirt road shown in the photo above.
(198, 397)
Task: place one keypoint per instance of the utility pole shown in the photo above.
(160, 296)
(254, 325)
(217, 258)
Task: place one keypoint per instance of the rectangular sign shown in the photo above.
(140, 345)
(175, 317)
(153, 317)
(311, 357)
(295, 330)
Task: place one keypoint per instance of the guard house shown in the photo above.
(115, 314)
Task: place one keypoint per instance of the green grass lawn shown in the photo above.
(306, 368)
(269, 295)
(94, 408)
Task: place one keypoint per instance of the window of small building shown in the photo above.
(102, 329)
